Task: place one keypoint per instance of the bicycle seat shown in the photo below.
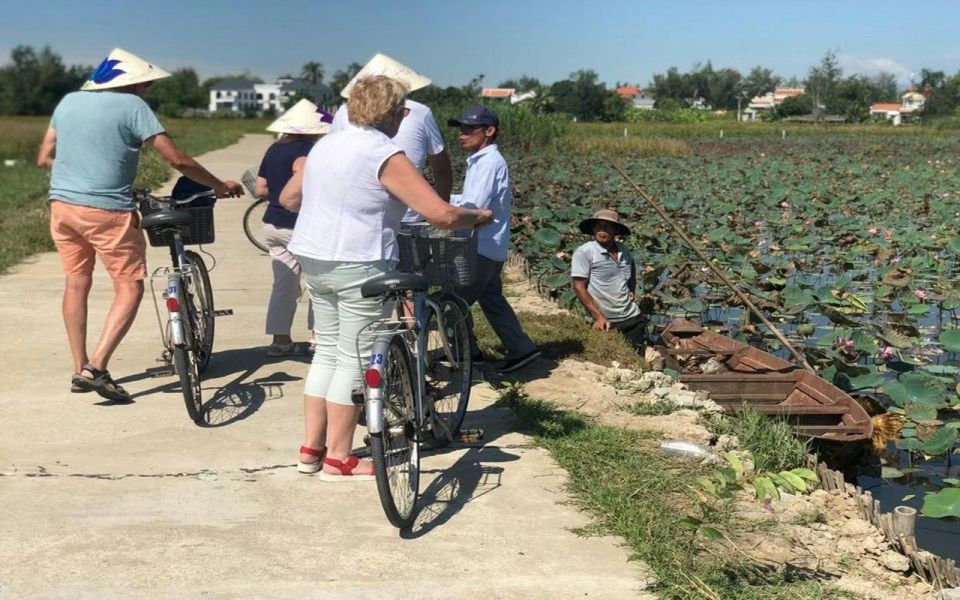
(166, 218)
(394, 281)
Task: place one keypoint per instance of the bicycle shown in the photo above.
(419, 372)
(253, 216)
(189, 329)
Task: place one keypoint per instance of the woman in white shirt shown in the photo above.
(357, 185)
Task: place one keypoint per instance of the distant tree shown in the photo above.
(669, 104)
(524, 84)
(821, 84)
(673, 84)
(34, 82)
(582, 95)
(885, 86)
(313, 72)
(792, 106)
(758, 82)
(471, 91)
(342, 77)
(170, 96)
(942, 93)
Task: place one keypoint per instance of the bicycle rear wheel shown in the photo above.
(253, 224)
(449, 368)
(185, 361)
(199, 294)
(395, 450)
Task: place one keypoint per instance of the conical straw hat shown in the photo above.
(381, 64)
(121, 69)
(304, 117)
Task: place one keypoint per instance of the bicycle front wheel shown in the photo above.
(185, 362)
(199, 294)
(449, 368)
(253, 224)
(395, 450)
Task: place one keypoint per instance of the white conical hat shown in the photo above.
(303, 117)
(121, 69)
(381, 64)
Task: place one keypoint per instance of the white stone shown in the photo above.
(894, 561)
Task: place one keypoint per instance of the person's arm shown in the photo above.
(48, 149)
(442, 174)
(632, 281)
(192, 169)
(580, 289)
(260, 187)
(291, 196)
(403, 180)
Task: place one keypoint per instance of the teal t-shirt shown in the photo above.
(99, 136)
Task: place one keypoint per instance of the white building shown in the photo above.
(253, 95)
(760, 104)
(911, 101)
(507, 94)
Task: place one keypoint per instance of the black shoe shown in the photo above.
(512, 364)
(478, 359)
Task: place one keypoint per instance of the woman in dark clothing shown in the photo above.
(300, 127)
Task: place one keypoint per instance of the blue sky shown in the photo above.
(453, 40)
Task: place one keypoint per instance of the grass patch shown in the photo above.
(771, 441)
(24, 211)
(652, 409)
(560, 336)
(635, 491)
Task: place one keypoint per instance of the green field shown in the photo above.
(24, 212)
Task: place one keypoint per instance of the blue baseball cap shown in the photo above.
(475, 115)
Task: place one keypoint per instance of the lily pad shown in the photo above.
(939, 442)
(547, 237)
(950, 338)
(920, 412)
(945, 503)
(923, 388)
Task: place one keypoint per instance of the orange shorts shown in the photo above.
(82, 233)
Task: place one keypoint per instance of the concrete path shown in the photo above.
(101, 501)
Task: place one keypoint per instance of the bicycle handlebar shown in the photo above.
(143, 194)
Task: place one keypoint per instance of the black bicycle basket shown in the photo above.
(445, 258)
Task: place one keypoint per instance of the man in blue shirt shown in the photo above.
(93, 148)
(487, 185)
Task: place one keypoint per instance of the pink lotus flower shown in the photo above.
(784, 204)
(561, 255)
(758, 223)
(845, 345)
(920, 294)
(873, 231)
(888, 353)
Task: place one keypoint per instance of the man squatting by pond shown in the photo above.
(605, 277)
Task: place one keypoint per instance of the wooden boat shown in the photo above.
(740, 376)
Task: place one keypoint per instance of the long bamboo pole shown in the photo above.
(716, 270)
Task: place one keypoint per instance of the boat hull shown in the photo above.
(739, 376)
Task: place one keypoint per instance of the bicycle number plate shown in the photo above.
(376, 359)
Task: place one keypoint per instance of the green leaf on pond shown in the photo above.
(872, 379)
(945, 503)
(547, 237)
(939, 441)
(909, 444)
(951, 481)
(920, 412)
(897, 340)
(890, 473)
(954, 245)
(923, 388)
(950, 338)
(672, 203)
(556, 280)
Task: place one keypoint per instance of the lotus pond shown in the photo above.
(851, 244)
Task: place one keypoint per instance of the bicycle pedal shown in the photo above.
(224, 312)
(468, 436)
(161, 371)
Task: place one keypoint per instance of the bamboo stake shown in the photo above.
(716, 270)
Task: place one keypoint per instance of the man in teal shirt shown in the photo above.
(93, 148)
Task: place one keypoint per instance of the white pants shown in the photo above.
(286, 283)
(341, 313)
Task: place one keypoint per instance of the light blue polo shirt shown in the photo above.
(487, 185)
(99, 136)
(607, 279)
